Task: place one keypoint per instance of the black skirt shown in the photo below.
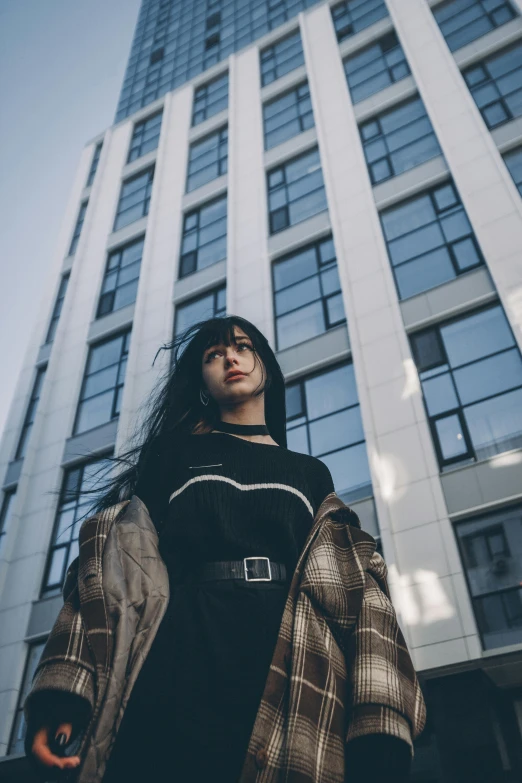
(192, 709)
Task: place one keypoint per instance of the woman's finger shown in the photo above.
(43, 754)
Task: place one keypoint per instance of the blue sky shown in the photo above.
(61, 68)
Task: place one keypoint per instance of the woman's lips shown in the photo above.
(234, 377)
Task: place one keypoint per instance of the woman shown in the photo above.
(220, 486)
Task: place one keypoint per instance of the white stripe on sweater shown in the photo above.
(210, 477)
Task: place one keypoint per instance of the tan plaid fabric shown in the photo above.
(340, 669)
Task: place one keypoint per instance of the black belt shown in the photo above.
(251, 569)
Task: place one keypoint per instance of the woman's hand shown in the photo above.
(42, 742)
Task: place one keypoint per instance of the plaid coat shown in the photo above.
(340, 668)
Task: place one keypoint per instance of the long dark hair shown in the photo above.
(174, 407)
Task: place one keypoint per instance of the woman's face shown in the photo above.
(219, 361)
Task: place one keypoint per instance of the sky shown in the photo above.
(61, 67)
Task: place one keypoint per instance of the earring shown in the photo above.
(203, 401)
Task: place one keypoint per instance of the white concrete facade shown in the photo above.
(416, 505)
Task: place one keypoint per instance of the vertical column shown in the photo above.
(485, 186)
(153, 314)
(425, 572)
(41, 474)
(248, 278)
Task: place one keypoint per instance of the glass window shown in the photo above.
(323, 419)
(295, 191)
(204, 240)
(282, 57)
(210, 305)
(6, 512)
(398, 140)
(78, 227)
(376, 67)
(102, 386)
(134, 200)
(76, 501)
(55, 317)
(94, 164)
(496, 85)
(491, 551)
(208, 159)
(30, 413)
(429, 240)
(210, 98)
(471, 375)
(145, 136)
(513, 161)
(122, 274)
(174, 43)
(462, 21)
(307, 294)
(287, 116)
(16, 743)
(352, 16)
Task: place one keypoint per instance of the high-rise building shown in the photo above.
(346, 175)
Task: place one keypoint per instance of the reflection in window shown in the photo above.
(120, 282)
(209, 305)
(323, 419)
(471, 375)
(74, 506)
(57, 308)
(462, 22)
(513, 161)
(102, 387)
(376, 67)
(210, 98)
(6, 512)
(352, 16)
(307, 294)
(283, 57)
(134, 200)
(208, 159)
(295, 191)
(145, 136)
(429, 240)
(30, 413)
(496, 86)
(398, 140)
(287, 116)
(491, 551)
(204, 239)
(16, 744)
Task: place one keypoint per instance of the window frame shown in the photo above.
(382, 136)
(299, 100)
(485, 14)
(148, 172)
(140, 129)
(323, 298)
(125, 334)
(470, 454)
(207, 99)
(57, 308)
(221, 160)
(282, 169)
(348, 30)
(118, 251)
(270, 53)
(94, 164)
(30, 413)
(196, 211)
(491, 81)
(6, 511)
(388, 69)
(448, 244)
(78, 227)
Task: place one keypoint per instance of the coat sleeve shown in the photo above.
(65, 673)
(386, 697)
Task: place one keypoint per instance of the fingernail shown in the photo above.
(61, 739)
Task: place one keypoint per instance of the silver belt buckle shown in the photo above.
(258, 578)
